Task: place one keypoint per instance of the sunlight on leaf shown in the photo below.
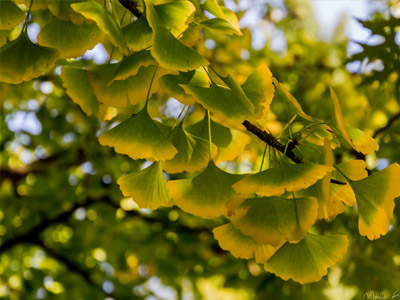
(138, 34)
(363, 142)
(10, 15)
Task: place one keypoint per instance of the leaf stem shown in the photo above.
(209, 132)
(25, 27)
(151, 84)
(263, 157)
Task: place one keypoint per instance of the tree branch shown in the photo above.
(388, 124)
(270, 140)
(131, 6)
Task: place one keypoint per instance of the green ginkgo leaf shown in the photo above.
(206, 194)
(220, 25)
(171, 83)
(308, 260)
(96, 12)
(224, 102)
(21, 60)
(275, 220)
(230, 142)
(139, 137)
(260, 90)
(224, 13)
(375, 200)
(62, 9)
(36, 4)
(175, 15)
(130, 65)
(242, 246)
(138, 34)
(122, 92)
(78, 89)
(3, 37)
(147, 187)
(284, 178)
(193, 152)
(167, 50)
(291, 101)
(74, 40)
(362, 141)
(10, 15)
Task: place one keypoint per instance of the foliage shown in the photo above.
(264, 156)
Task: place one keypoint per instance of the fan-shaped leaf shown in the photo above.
(148, 187)
(353, 169)
(286, 177)
(10, 15)
(78, 88)
(138, 34)
(363, 142)
(21, 60)
(224, 13)
(37, 4)
(96, 12)
(139, 137)
(206, 194)
(74, 40)
(242, 246)
(167, 50)
(275, 220)
(375, 200)
(308, 260)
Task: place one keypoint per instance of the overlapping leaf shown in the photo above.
(139, 137)
(74, 40)
(206, 194)
(148, 187)
(10, 15)
(284, 178)
(275, 220)
(242, 246)
(167, 50)
(362, 141)
(138, 34)
(21, 60)
(231, 24)
(308, 260)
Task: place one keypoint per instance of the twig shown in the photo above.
(388, 124)
(273, 142)
(132, 7)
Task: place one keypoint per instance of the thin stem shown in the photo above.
(208, 74)
(209, 132)
(151, 84)
(177, 119)
(111, 54)
(262, 161)
(25, 26)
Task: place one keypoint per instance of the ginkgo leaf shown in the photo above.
(375, 200)
(130, 65)
(342, 193)
(139, 137)
(362, 141)
(175, 15)
(328, 207)
(224, 13)
(21, 60)
(74, 40)
(36, 4)
(308, 260)
(147, 187)
(275, 220)
(10, 15)
(220, 25)
(62, 10)
(221, 101)
(78, 88)
(206, 194)
(138, 34)
(259, 89)
(193, 152)
(283, 178)
(353, 169)
(230, 142)
(171, 82)
(338, 124)
(167, 50)
(242, 246)
(96, 12)
(3, 37)
(122, 92)
(291, 101)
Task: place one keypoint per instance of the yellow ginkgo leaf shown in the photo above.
(375, 200)
(363, 142)
(230, 142)
(276, 220)
(342, 193)
(10, 15)
(193, 152)
(242, 246)
(138, 34)
(308, 260)
(139, 137)
(78, 88)
(353, 169)
(148, 187)
(166, 49)
(36, 4)
(206, 194)
(74, 40)
(284, 178)
(21, 60)
(223, 13)
(260, 90)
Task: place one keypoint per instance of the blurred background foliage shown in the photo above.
(68, 233)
